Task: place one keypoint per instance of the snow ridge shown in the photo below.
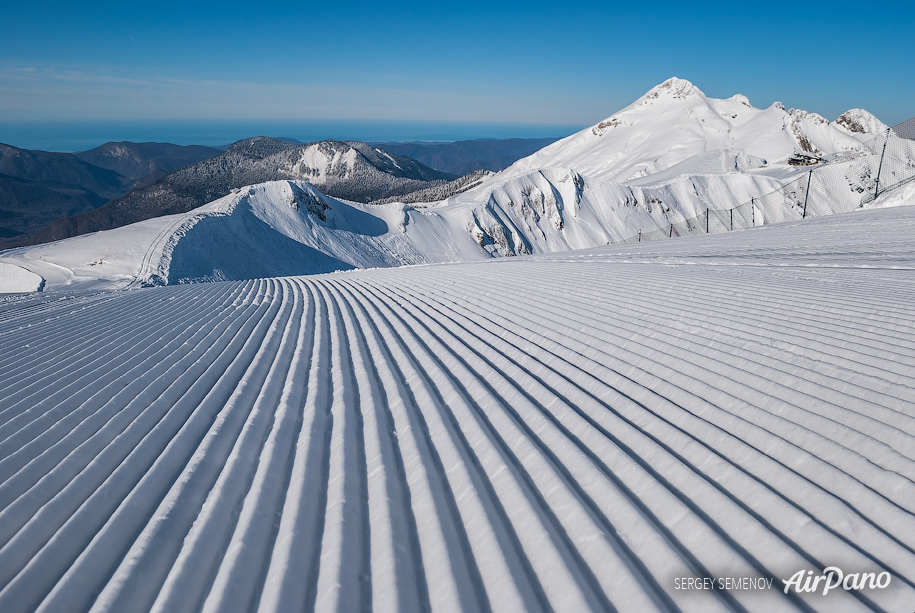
(675, 121)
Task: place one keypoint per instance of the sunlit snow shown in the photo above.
(569, 431)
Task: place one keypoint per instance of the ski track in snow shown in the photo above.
(563, 432)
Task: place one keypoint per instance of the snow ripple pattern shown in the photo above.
(533, 434)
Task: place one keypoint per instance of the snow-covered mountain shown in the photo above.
(675, 122)
(665, 158)
(351, 170)
(271, 229)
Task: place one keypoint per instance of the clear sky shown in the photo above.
(481, 63)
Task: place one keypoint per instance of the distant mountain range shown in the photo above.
(145, 163)
(667, 157)
(38, 187)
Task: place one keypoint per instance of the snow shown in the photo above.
(568, 431)
(669, 156)
(14, 279)
(99, 260)
(272, 229)
(676, 121)
(860, 121)
(903, 196)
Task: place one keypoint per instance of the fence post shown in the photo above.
(671, 231)
(706, 220)
(732, 219)
(880, 167)
(753, 211)
(807, 195)
(640, 235)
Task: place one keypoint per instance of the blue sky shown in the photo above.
(480, 63)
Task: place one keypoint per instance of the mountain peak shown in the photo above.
(673, 88)
(860, 121)
(676, 125)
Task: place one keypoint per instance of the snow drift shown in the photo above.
(15, 279)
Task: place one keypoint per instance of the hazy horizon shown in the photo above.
(69, 137)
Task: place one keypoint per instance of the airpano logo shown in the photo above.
(833, 578)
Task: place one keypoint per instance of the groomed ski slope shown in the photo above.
(568, 432)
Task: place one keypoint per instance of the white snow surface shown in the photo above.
(14, 279)
(563, 432)
(902, 196)
(675, 121)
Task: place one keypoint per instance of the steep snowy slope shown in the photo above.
(676, 121)
(271, 229)
(567, 432)
(667, 157)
